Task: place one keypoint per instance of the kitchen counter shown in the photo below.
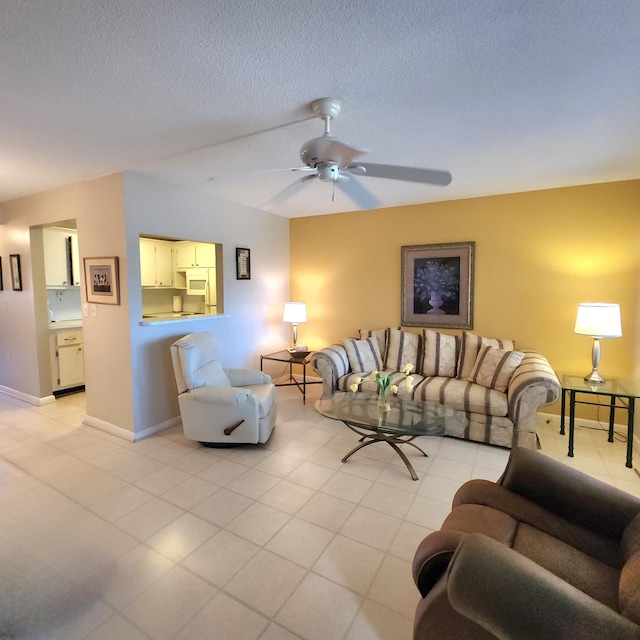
(65, 324)
(177, 316)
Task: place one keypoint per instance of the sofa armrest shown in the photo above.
(569, 493)
(514, 598)
(245, 377)
(221, 395)
(330, 363)
(533, 384)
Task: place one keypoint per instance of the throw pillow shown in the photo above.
(208, 375)
(470, 345)
(440, 354)
(494, 367)
(363, 355)
(404, 348)
(381, 335)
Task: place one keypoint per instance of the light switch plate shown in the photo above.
(85, 310)
(94, 310)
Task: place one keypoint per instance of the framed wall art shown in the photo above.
(1, 287)
(243, 264)
(16, 272)
(437, 285)
(101, 280)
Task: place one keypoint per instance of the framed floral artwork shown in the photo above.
(437, 285)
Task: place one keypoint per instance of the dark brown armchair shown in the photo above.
(546, 552)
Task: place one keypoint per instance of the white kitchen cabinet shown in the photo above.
(61, 257)
(195, 254)
(156, 263)
(67, 359)
(75, 260)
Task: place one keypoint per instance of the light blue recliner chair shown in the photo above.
(220, 406)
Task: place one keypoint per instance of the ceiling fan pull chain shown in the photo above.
(333, 191)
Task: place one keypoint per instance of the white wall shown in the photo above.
(253, 322)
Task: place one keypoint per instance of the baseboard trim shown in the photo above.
(125, 434)
(107, 427)
(26, 397)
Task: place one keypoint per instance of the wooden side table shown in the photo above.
(621, 394)
(291, 359)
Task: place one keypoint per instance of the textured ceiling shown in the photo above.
(508, 95)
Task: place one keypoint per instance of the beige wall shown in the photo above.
(538, 254)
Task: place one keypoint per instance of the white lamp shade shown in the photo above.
(295, 312)
(598, 320)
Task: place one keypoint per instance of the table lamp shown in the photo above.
(295, 313)
(597, 320)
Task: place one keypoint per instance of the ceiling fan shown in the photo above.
(332, 160)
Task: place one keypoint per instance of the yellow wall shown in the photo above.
(538, 254)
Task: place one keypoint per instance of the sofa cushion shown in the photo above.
(367, 382)
(364, 355)
(594, 577)
(494, 367)
(440, 354)
(462, 395)
(469, 347)
(404, 348)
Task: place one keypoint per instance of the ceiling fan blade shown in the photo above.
(235, 176)
(289, 191)
(361, 196)
(409, 174)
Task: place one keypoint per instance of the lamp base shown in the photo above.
(594, 377)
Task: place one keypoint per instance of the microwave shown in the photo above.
(197, 281)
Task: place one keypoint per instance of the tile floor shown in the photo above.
(277, 542)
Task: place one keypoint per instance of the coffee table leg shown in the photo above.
(377, 436)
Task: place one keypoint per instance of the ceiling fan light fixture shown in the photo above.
(328, 172)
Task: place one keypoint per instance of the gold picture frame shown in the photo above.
(437, 285)
(101, 280)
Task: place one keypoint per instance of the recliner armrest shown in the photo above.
(432, 557)
(569, 493)
(515, 599)
(246, 377)
(220, 395)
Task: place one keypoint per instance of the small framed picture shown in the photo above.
(16, 272)
(101, 280)
(243, 264)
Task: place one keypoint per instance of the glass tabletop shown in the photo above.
(407, 417)
(288, 356)
(610, 387)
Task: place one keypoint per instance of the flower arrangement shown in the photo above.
(384, 383)
(437, 275)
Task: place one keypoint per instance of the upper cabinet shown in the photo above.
(156, 263)
(195, 254)
(61, 257)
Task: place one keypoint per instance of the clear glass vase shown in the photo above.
(383, 400)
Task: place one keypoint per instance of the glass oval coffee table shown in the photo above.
(406, 420)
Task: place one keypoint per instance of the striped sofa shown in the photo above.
(499, 388)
